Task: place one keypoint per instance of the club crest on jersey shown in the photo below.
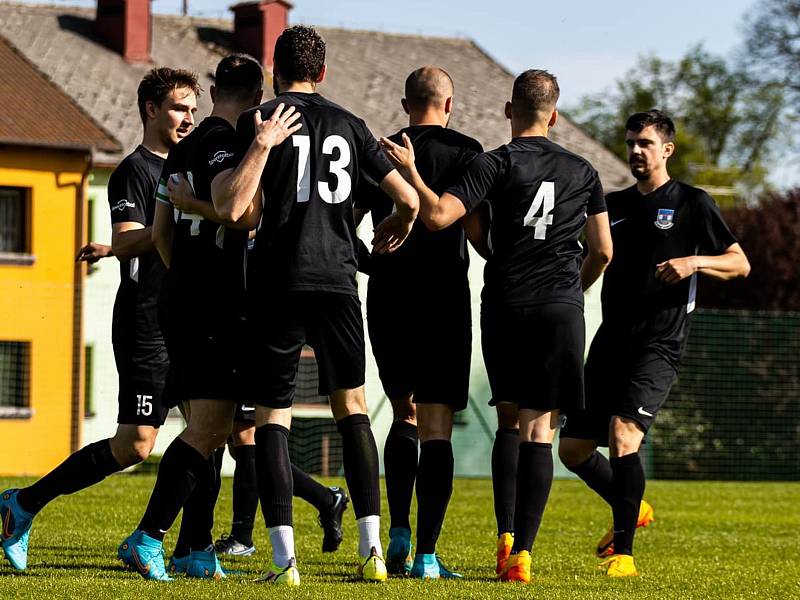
(664, 218)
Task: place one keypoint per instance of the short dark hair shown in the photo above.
(535, 94)
(238, 77)
(158, 83)
(428, 86)
(299, 54)
(663, 124)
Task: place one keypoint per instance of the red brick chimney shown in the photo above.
(256, 26)
(126, 26)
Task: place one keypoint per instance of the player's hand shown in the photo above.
(180, 192)
(676, 269)
(401, 157)
(92, 252)
(391, 233)
(277, 128)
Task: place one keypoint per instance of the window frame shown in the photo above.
(25, 258)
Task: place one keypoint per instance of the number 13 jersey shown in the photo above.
(307, 237)
(540, 195)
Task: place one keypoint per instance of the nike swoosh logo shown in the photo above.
(617, 222)
(644, 412)
(7, 533)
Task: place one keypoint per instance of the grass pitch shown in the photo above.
(709, 540)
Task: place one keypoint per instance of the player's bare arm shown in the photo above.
(235, 190)
(598, 238)
(731, 264)
(163, 229)
(183, 198)
(476, 227)
(130, 239)
(436, 212)
(92, 252)
(394, 229)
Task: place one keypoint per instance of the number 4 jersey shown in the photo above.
(207, 264)
(540, 195)
(307, 238)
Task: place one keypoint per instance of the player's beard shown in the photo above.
(639, 170)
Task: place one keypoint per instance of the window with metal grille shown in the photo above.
(15, 380)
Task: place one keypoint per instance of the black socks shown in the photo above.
(310, 490)
(89, 465)
(198, 513)
(505, 455)
(400, 470)
(534, 479)
(245, 494)
(434, 488)
(627, 486)
(181, 469)
(596, 472)
(360, 457)
(274, 468)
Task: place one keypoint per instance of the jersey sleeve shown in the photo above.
(373, 162)
(478, 180)
(597, 200)
(714, 235)
(218, 152)
(127, 195)
(367, 194)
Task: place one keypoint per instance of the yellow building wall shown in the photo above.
(37, 304)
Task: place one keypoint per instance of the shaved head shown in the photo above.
(428, 87)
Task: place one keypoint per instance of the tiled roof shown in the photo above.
(35, 112)
(367, 70)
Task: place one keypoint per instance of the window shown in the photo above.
(15, 225)
(15, 380)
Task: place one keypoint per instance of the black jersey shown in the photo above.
(540, 195)
(307, 239)
(674, 221)
(207, 263)
(131, 195)
(434, 257)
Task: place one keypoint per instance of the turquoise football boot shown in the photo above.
(145, 554)
(204, 564)
(430, 566)
(16, 525)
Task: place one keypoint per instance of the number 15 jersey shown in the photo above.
(307, 238)
(540, 195)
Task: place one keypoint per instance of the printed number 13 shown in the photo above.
(337, 167)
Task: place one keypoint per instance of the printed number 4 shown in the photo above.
(545, 200)
(144, 405)
(182, 216)
(337, 167)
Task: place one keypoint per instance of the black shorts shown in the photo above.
(420, 353)
(245, 413)
(142, 377)
(624, 378)
(206, 357)
(281, 323)
(534, 355)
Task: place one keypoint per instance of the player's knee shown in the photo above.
(572, 452)
(404, 410)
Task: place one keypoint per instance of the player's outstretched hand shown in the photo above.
(278, 127)
(180, 192)
(402, 157)
(676, 269)
(92, 252)
(391, 233)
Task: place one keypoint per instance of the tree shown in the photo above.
(773, 43)
(726, 119)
